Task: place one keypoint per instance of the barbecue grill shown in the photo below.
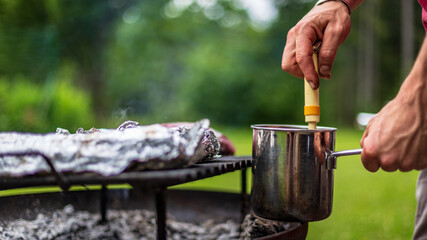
(155, 182)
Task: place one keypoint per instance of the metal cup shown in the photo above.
(293, 172)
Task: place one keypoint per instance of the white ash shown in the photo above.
(254, 227)
(68, 224)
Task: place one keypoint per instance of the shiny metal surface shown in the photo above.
(143, 179)
(292, 173)
(346, 153)
(107, 152)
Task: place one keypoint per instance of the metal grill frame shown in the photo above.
(146, 179)
(157, 180)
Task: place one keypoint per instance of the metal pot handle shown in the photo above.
(332, 156)
(346, 153)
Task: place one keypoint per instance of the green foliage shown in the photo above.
(70, 108)
(27, 107)
(160, 62)
(171, 60)
(28, 40)
(185, 66)
(189, 67)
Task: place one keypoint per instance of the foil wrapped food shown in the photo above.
(106, 151)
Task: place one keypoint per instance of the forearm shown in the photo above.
(420, 65)
(395, 138)
(416, 82)
(354, 3)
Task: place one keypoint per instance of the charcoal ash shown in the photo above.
(254, 227)
(67, 223)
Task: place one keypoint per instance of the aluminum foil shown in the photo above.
(108, 152)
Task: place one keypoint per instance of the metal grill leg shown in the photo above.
(161, 214)
(244, 196)
(103, 203)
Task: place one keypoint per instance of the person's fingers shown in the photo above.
(328, 50)
(405, 169)
(369, 156)
(421, 164)
(407, 164)
(289, 63)
(365, 135)
(334, 34)
(362, 140)
(304, 55)
(388, 163)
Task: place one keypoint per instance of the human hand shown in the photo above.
(330, 23)
(396, 138)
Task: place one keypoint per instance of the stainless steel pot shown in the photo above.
(293, 173)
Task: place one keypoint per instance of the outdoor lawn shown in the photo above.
(366, 205)
(187, 60)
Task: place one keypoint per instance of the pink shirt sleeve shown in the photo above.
(424, 5)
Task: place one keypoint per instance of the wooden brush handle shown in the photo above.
(311, 97)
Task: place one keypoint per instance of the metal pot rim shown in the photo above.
(291, 128)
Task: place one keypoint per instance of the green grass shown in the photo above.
(229, 182)
(366, 205)
(36, 190)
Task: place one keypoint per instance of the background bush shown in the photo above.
(29, 107)
(182, 60)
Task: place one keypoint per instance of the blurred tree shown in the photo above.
(26, 106)
(194, 61)
(38, 36)
(84, 28)
(172, 60)
(407, 36)
(36, 95)
(28, 42)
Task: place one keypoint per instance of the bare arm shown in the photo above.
(329, 23)
(396, 138)
(354, 3)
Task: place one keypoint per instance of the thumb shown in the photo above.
(369, 155)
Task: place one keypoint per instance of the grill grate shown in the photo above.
(158, 180)
(144, 179)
